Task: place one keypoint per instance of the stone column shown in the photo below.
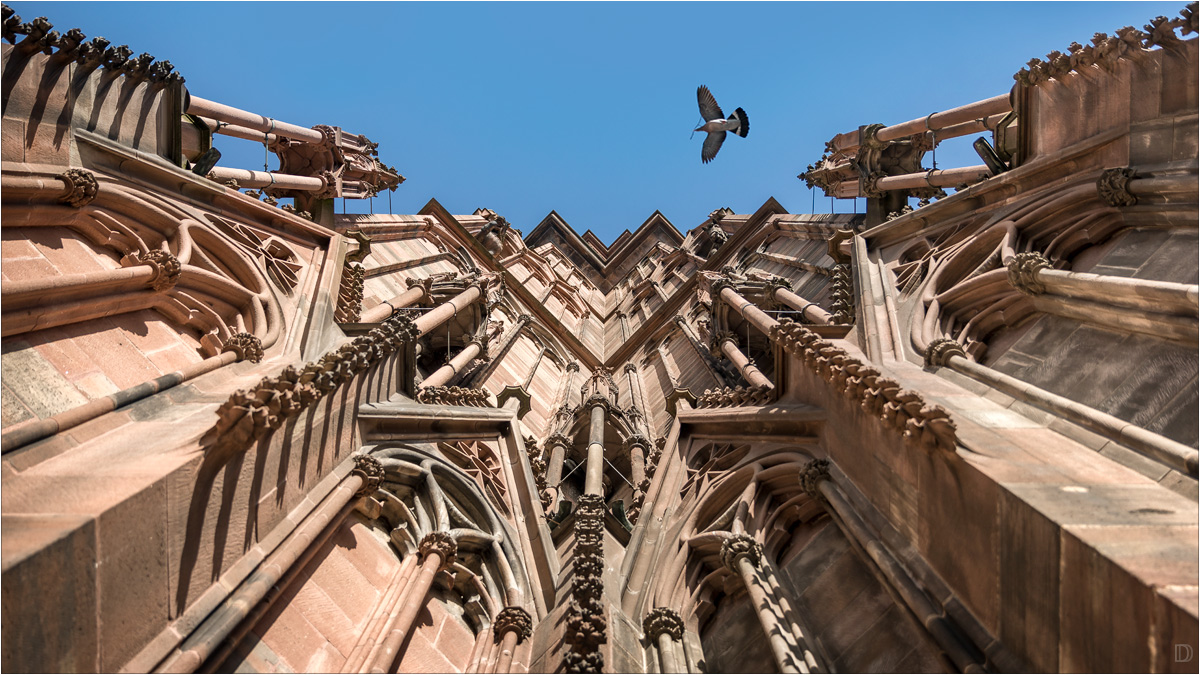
(637, 445)
(664, 627)
(511, 627)
(742, 554)
(558, 444)
(445, 311)
(723, 289)
(215, 638)
(809, 310)
(438, 551)
(727, 343)
(594, 482)
(442, 375)
(417, 289)
(1170, 453)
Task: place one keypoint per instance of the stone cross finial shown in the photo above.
(663, 620)
(740, 546)
(512, 619)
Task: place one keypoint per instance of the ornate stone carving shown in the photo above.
(573, 367)
(1113, 186)
(731, 397)
(740, 546)
(811, 476)
(630, 367)
(1023, 271)
(940, 350)
(600, 385)
(371, 471)
(250, 414)
(923, 424)
(350, 294)
(464, 396)
(512, 619)
(166, 268)
(587, 627)
(81, 187)
(663, 620)
(246, 346)
(443, 544)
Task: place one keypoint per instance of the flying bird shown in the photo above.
(716, 124)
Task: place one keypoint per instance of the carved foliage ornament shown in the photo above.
(81, 187)
(1113, 186)
(1105, 51)
(246, 346)
(663, 620)
(1023, 271)
(250, 414)
(732, 397)
(443, 544)
(940, 350)
(740, 546)
(587, 627)
(465, 396)
(923, 424)
(39, 37)
(811, 476)
(370, 470)
(512, 619)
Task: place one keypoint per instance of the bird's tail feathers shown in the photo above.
(743, 122)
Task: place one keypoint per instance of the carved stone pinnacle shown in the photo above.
(512, 619)
(811, 476)
(1113, 187)
(441, 543)
(1023, 269)
(371, 471)
(940, 351)
(81, 187)
(246, 346)
(740, 546)
(662, 620)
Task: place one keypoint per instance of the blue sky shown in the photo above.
(587, 108)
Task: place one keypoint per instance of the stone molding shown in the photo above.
(906, 412)
(739, 546)
(663, 621)
(371, 471)
(1023, 269)
(442, 543)
(512, 619)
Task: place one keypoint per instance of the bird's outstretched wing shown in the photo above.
(709, 109)
(711, 145)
